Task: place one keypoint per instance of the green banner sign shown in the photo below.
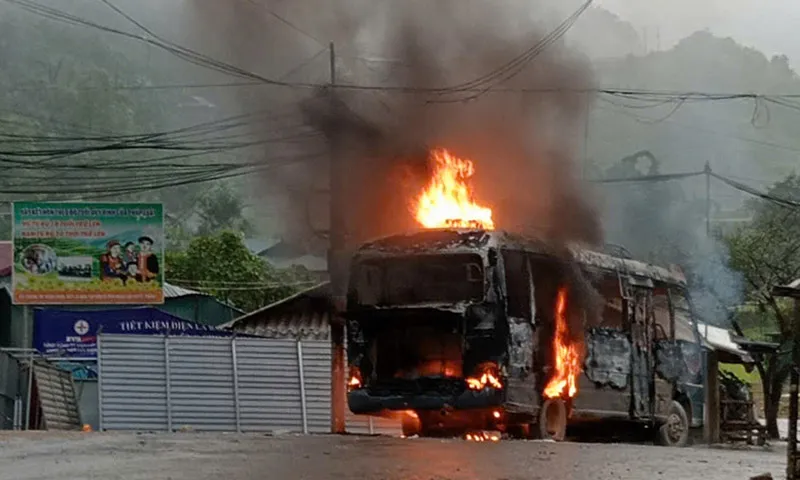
(88, 253)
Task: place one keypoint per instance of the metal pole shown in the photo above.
(707, 171)
(168, 381)
(336, 267)
(27, 334)
(791, 449)
(17, 413)
(236, 385)
(30, 393)
(100, 379)
(586, 136)
(303, 408)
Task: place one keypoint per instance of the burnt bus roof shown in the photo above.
(455, 240)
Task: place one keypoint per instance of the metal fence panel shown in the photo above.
(9, 389)
(269, 385)
(201, 383)
(132, 382)
(317, 376)
(219, 384)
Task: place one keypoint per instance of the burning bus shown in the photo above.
(464, 328)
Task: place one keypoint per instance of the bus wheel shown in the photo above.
(553, 420)
(675, 431)
(411, 425)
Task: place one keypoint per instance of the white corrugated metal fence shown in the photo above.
(166, 383)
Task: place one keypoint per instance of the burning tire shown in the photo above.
(411, 425)
(675, 431)
(553, 420)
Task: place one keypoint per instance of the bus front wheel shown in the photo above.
(553, 420)
(411, 425)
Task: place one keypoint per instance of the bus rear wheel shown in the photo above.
(553, 420)
(675, 431)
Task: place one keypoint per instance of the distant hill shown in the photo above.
(756, 142)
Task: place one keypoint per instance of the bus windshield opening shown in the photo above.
(419, 279)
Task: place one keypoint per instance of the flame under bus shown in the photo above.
(461, 327)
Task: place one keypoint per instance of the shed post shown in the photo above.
(100, 423)
(168, 381)
(712, 412)
(236, 403)
(302, 379)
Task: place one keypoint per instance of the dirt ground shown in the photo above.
(248, 457)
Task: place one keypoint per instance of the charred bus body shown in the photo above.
(455, 327)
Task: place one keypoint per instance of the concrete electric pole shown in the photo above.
(337, 268)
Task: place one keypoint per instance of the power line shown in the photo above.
(474, 86)
(649, 178)
(286, 22)
(699, 128)
(784, 202)
(516, 65)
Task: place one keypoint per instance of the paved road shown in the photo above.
(192, 456)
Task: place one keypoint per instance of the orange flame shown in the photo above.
(354, 382)
(487, 379)
(482, 437)
(567, 355)
(447, 202)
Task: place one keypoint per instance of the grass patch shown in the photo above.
(752, 378)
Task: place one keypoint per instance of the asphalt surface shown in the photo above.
(250, 457)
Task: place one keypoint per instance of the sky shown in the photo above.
(766, 25)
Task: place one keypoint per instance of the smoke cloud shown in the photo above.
(523, 144)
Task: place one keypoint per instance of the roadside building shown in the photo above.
(285, 254)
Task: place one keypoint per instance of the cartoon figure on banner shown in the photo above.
(147, 266)
(111, 266)
(139, 265)
(130, 255)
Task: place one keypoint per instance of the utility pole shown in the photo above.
(586, 136)
(707, 171)
(337, 268)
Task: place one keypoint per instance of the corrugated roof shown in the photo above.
(303, 315)
(312, 263)
(720, 339)
(305, 324)
(790, 290)
(258, 245)
(174, 291)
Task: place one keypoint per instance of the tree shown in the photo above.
(767, 253)
(222, 266)
(221, 209)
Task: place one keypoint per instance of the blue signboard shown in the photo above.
(73, 334)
